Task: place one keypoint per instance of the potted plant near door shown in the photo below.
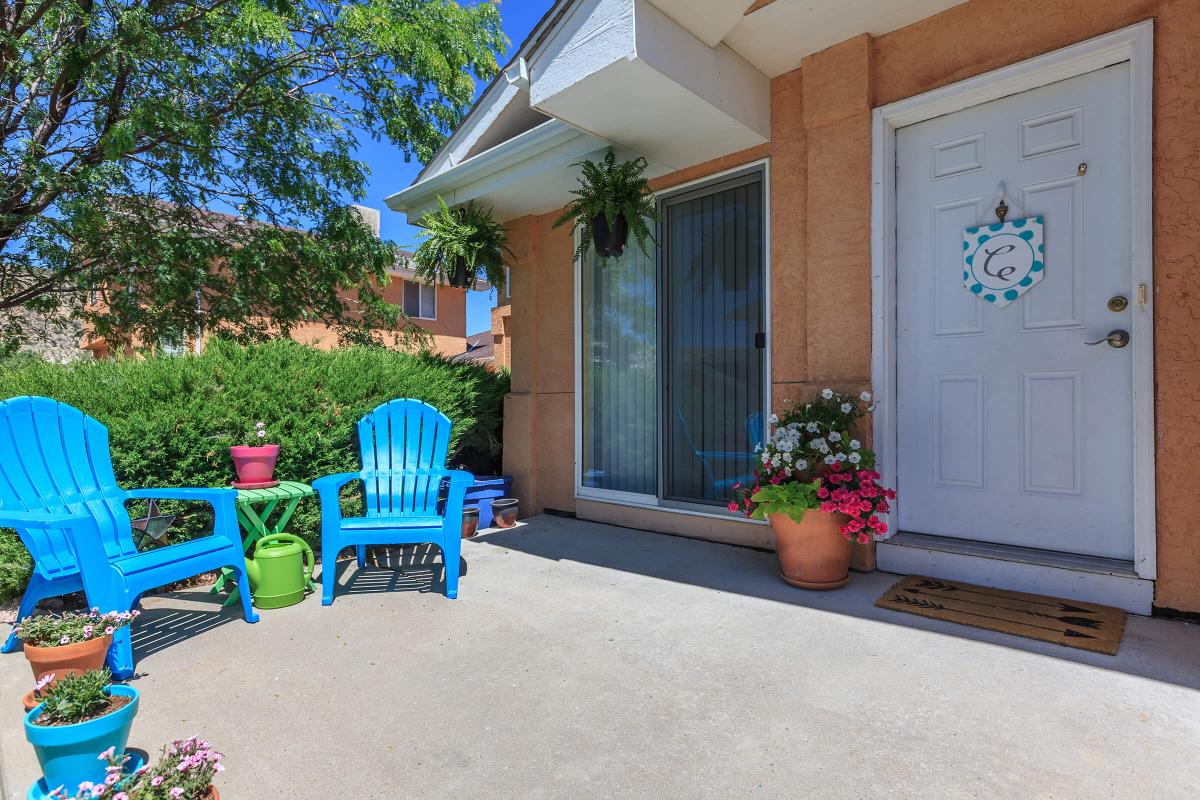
(255, 462)
(817, 486)
(612, 201)
(79, 716)
(459, 243)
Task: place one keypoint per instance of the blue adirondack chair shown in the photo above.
(57, 488)
(403, 446)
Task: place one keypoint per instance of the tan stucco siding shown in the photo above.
(820, 173)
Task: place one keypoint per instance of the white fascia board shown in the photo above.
(717, 74)
(589, 37)
(708, 20)
(491, 106)
(542, 147)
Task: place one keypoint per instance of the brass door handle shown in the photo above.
(1117, 339)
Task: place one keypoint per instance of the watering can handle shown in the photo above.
(310, 561)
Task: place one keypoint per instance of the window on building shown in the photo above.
(420, 300)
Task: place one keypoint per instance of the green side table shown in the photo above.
(254, 509)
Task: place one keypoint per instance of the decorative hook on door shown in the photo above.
(1002, 209)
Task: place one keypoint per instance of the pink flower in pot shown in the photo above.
(255, 463)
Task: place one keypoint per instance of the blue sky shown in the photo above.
(389, 173)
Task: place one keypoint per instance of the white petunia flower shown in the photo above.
(812, 427)
(801, 464)
(855, 444)
(817, 444)
(824, 448)
(766, 457)
(840, 456)
(827, 394)
(847, 408)
(834, 436)
(855, 458)
(774, 418)
(830, 459)
(865, 397)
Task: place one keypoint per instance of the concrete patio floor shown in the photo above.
(589, 661)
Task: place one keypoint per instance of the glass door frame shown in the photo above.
(762, 167)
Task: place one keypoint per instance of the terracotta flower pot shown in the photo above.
(213, 794)
(813, 554)
(254, 464)
(67, 659)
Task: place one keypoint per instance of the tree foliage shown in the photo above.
(123, 123)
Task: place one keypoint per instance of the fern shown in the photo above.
(467, 232)
(610, 188)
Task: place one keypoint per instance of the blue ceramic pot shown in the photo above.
(69, 754)
(486, 489)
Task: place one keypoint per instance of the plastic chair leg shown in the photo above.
(360, 550)
(329, 552)
(247, 600)
(450, 555)
(120, 655)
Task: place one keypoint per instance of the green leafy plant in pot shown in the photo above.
(459, 243)
(612, 201)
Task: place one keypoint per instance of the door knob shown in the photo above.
(1117, 338)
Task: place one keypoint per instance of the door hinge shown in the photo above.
(760, 340)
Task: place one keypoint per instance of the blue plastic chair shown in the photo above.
(58, 490)
(403, 446)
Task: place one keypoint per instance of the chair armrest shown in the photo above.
(40, 519)
(202, 494)
(460, 481)
(332, 484)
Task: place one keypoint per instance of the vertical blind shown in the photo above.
(620, 373)
(712, 315)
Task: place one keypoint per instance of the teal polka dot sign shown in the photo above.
(1004, 260)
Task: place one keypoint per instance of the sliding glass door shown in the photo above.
(672, 354)
(713, 339)
(620, 374)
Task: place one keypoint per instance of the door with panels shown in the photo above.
(1015, 423)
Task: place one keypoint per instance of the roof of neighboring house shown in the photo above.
(480, 348)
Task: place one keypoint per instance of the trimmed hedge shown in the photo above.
(172, 420)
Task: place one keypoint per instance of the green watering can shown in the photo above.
(280, 570)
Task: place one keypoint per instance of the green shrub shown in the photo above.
(172, 420)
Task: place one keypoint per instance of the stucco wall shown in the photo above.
(820, 251)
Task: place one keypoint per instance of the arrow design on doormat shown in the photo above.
(1082, 622)
(934, 606)
(939, 586)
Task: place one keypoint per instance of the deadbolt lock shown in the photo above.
(1118, 303)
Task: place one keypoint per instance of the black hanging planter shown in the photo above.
(609, 242)
(459, 277)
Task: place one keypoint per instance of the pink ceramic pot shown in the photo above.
(254, 464)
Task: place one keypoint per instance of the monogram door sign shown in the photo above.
(1004, 260)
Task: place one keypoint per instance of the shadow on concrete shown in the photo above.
(159, 628)
(398, 568)
(1159, 649)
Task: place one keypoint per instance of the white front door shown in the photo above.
(1010, 428)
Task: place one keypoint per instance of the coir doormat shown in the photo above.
(1072, 623)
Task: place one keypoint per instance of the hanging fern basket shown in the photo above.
(610, 241)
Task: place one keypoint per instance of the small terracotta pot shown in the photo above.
(254, 464)
(813, 554)
(470, 521)
(504, 511)
(213, 794)
(30, 700)
(68, 658)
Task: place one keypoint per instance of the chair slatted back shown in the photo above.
(397, 436)
(55, 458)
